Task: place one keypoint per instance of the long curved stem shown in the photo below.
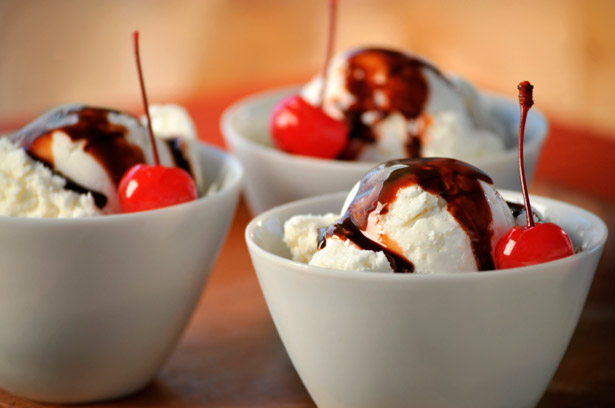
(135, 37)
(330, 44)
(525, 103)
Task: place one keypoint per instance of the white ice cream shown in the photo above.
(170, 121)
(301, 234)
(29, 189)
(417, 224)
(174, 122)
(455, 121)
(74, 159)
(343, 255)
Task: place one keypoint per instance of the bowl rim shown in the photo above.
(233, 182)
(230, 132)
(323, 272)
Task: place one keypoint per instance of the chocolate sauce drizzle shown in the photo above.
(382, 82)
(100, 200)
(516, 209)
(346, 229)
(177, 147)
(104, 141)
(453, 180)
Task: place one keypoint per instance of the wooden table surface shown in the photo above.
(231, 355)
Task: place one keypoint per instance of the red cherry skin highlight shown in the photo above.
(523, 246)
(298, 127)
(144, 187)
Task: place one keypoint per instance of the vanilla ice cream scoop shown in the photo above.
(398, 105)
(434, 215)
(173, 124)
(93, 147)
(29, 189)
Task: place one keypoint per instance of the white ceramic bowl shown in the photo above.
(90, 308)
(484, 339)
(274, 177)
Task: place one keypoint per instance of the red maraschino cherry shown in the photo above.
(144, 187)
(301, 128)
(532, 243)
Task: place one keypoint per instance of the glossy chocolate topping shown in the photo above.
(103, 140)
(458, 183)
(382, 82)
(517, 209)
(177, 147)
(346, 229)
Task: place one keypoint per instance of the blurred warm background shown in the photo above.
(206, 53)
(56, 51)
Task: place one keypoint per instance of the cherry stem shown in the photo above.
(525, 103)
(135, 37)
(330, 43)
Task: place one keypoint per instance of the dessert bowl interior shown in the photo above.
(91, 307)
(477, 339)
(274, 177)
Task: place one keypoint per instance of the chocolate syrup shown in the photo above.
(516, 209)
(458, 183)
(382, 82)
(346, 229)
(177, 147)
(103, 140)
